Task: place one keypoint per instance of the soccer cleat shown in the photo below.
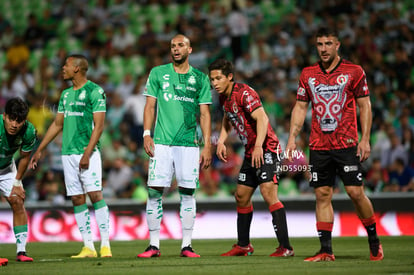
(151, 251)
(22, 257)
(3, 261)
(105, 252)
(188, 252)
(379, 255)
(321, 257)
(238, 250)
(283, 252)
(86, 252)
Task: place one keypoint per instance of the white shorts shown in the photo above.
(7, 178)
(84, 181)
(179, 160)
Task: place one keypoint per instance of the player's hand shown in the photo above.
(33, 161)
(84, 162)
(257, 157)
(149, 146)
(205, 158)
(18, 191)
(221, 152)
(363, 150)
(290, 148)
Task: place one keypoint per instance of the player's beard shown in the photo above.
(328, 61)
(181, 60)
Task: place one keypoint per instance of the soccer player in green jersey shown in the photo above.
(16, 133)
(177, 93)
(81, 117)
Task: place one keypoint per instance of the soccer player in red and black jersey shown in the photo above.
(244, 111)
(334, 87)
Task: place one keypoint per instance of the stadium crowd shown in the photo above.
(269, 42)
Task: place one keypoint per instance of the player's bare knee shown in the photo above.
(16, 203)
(78, 199)
(95, 196)
(241, 200)
(323, 194)
(355, 194)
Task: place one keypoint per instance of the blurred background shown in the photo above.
(268, 41)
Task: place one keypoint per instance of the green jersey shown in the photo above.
(78, 107)
(178, 99)
(25, 140)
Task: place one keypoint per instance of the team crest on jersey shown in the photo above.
(18, 140)
(82, 95)
(342, 79)
(235, 109)
(191, 80)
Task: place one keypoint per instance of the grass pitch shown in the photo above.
(352, 257)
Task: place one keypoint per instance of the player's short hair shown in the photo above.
(224, 65)
(186, 39)
(16, 109)
(81, 61)
(327, 31)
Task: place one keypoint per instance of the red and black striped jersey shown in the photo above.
(333, 99)
(238, 108)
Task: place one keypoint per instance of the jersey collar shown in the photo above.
(323, 69)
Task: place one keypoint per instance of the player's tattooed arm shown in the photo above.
(296, 128)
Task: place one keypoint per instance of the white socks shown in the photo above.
(83, 220)
(102, 219)
(154, 216)
(187, 215)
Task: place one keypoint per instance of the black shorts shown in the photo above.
(325, 165)
(253, 177)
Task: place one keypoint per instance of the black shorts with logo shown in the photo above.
(253, 177)
(325, 165)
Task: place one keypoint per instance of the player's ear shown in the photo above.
(230, 76)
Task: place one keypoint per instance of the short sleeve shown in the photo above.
(61, 107)
(98, 100)
(205, 93)
(301, 93)
(361, 86)
(151, 87)
(250, 100)
(29, 138)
